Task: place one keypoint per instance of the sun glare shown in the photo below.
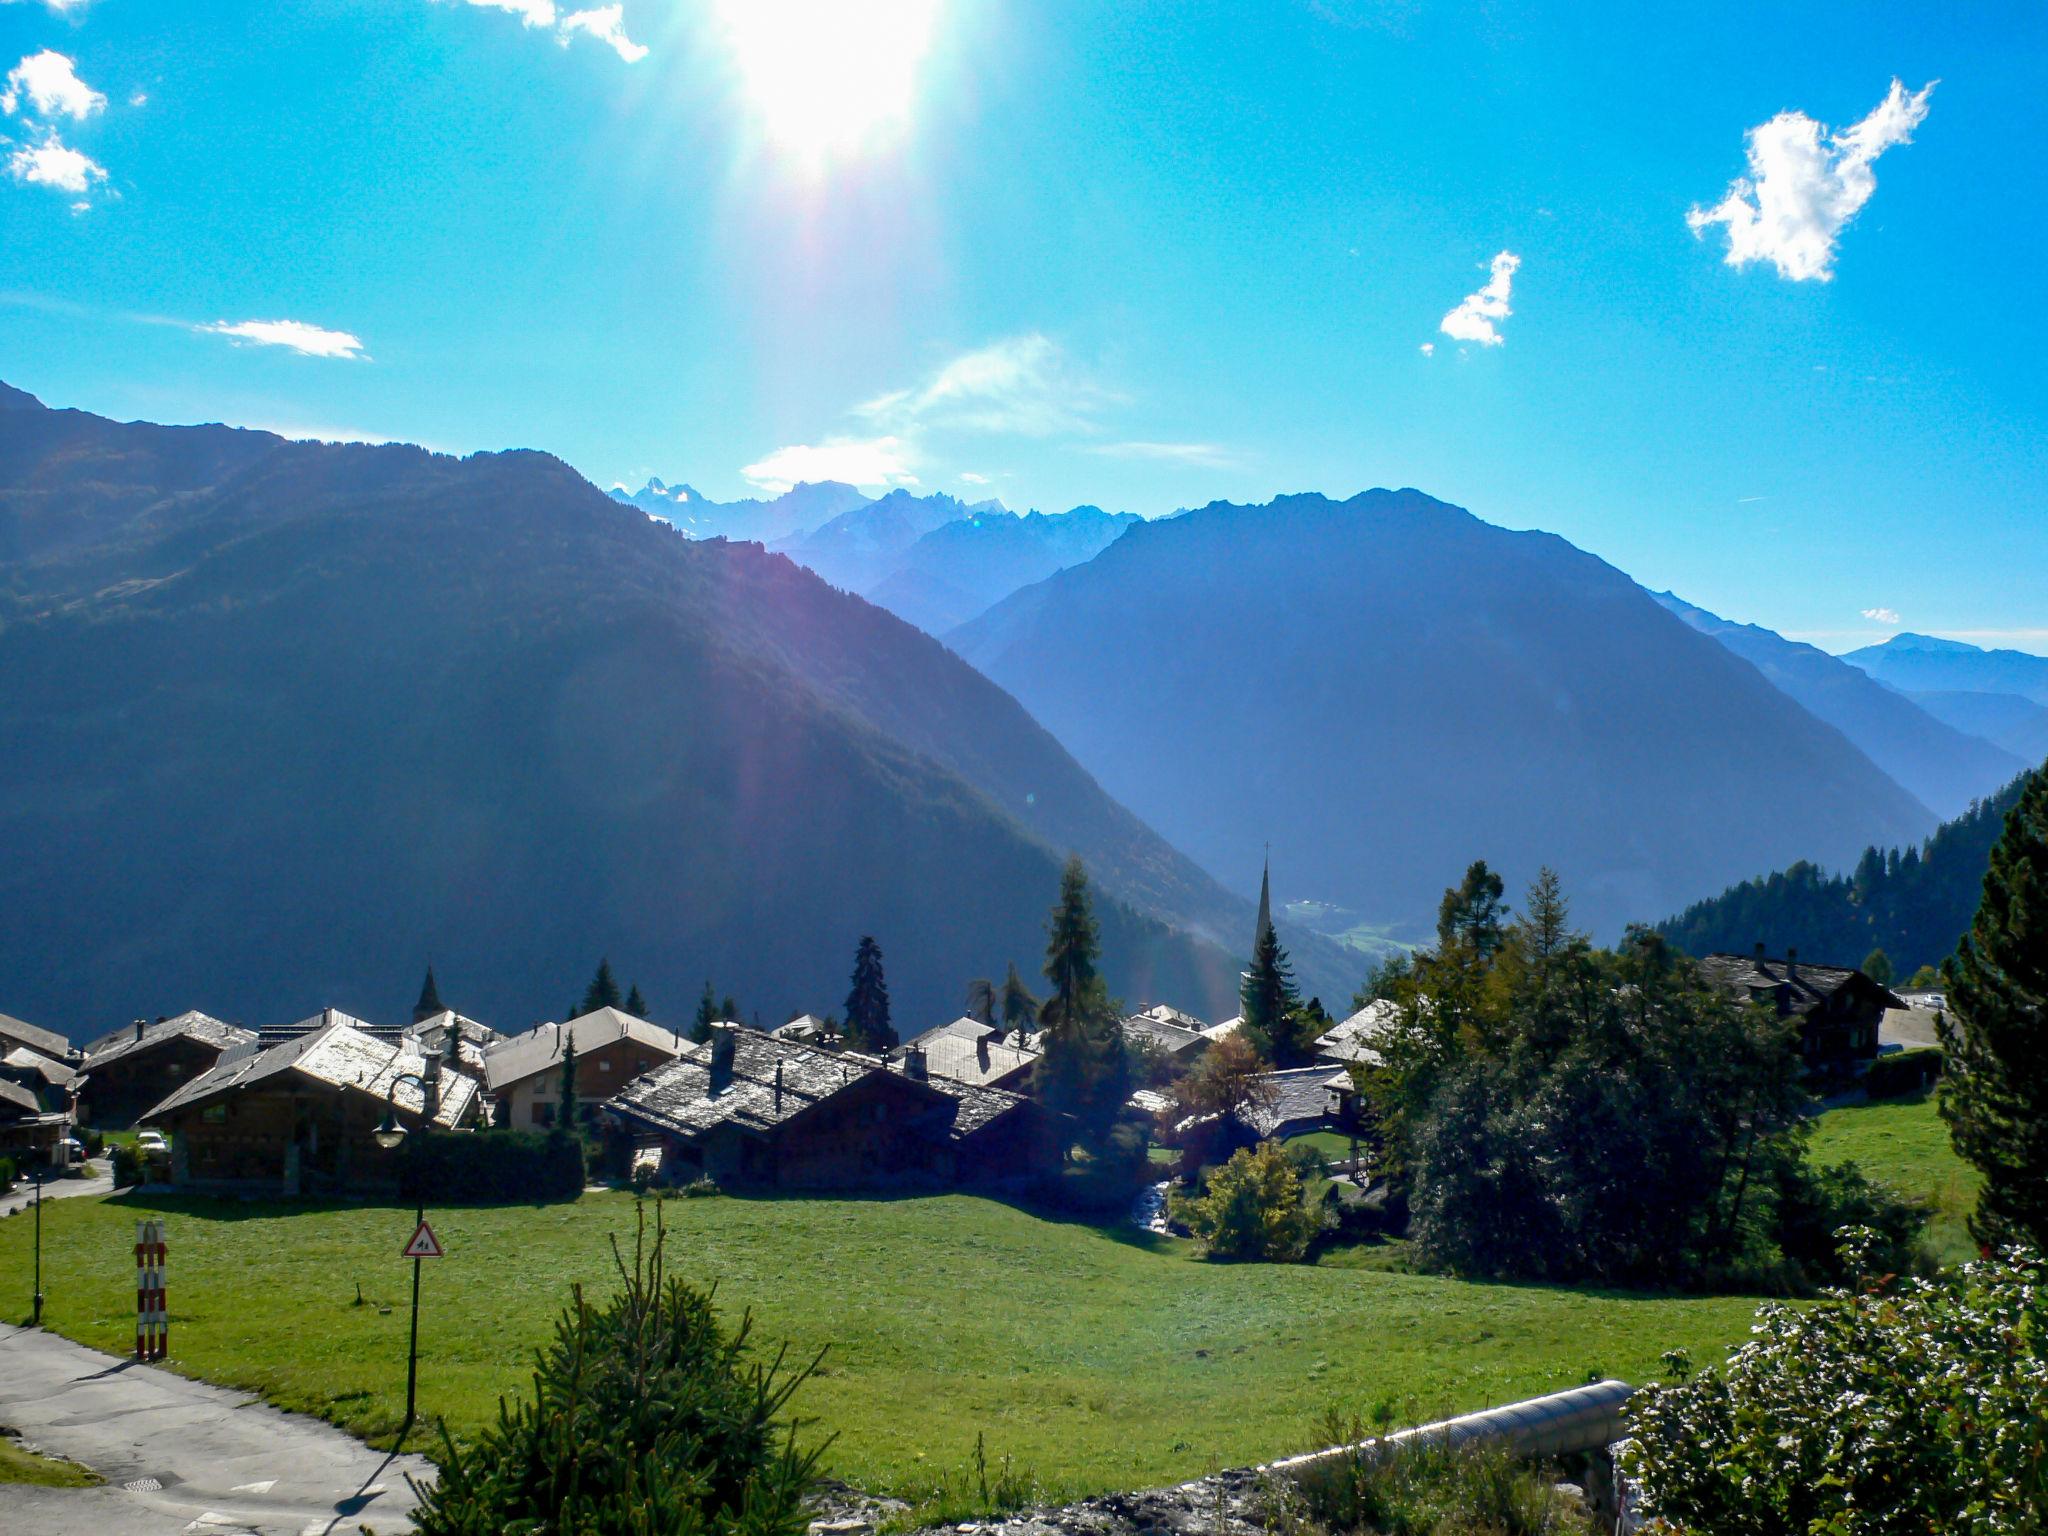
(830, 78)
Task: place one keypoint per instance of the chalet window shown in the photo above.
(604, 1064)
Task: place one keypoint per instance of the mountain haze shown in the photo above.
(791, 515)
(1386, 688)
(963, 568)
(1929, 664)
(1944, 768)
(281, 721)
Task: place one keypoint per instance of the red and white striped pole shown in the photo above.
(152, 1317)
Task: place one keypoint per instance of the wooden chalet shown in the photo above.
(299, 1118)
(1839, 1009)
(523, 1073)
(131, 1069)
(752, 1110)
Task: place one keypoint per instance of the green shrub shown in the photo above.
(1902, 1072)
(6, 1172)
(465, 1168)
(646, 1418)
(127, 1165)
(1428, 1488)
(1814, 1204)
(1908, 1406)
(1255, 1208)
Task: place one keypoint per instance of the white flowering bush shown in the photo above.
(1901, 1408)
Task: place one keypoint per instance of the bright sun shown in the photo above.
(830, 78)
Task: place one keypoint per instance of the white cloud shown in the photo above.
(969, 477)
(606, 23)
(1803, 189)
(1429, 349)
(306, 340)
(1022, 385)
(1208, 455)
(1477, 315)
(876, 462)
(52, 163)
(60, 6)
(50, 82)
(1883, 616)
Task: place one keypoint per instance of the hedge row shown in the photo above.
(471, 1168)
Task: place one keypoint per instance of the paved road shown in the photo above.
(101, 1183)
(180, 1456)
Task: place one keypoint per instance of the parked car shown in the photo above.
(152, 1144)
(68, 1153)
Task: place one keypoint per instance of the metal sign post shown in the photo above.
(424, 1245)
(38, 1322)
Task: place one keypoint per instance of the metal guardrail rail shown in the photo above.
(1570, 1423)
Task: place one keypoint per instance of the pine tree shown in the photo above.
(1995, 1034)
(636, 1005)
(1273, 1022)
(1086, 1071)
(707, 1015)
(570, 1112)
(1471, 912)
(1019, 1006)
(603, 991)
(867, 1005)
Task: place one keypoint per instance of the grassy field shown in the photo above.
(1094, 1359)
(1904, 1143)
(22, 1466)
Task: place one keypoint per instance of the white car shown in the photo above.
(152, 1144)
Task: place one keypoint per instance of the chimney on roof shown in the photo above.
(724, 1042)
(981, 1052)
(140, 1025)
(914, 1065)
(1792, 964)
(778, 1087)
(1759, 951)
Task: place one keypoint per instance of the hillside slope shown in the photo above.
(1913, 903)
(1386, 688)
(1929, 664)
(1944, 768)
(280, 721)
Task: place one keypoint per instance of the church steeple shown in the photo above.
(1265, 903)
(430, 1000)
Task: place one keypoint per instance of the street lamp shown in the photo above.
(390, 1135)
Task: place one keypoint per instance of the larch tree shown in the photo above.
(867, 1004)
(1995, 1032)
(981, 1000)
(1020, 1008)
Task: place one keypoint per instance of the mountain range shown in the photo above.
(1945, 766)
(934, 560)
(281, 721)
(1386, 688)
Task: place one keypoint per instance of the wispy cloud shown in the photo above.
(1805, 185)
(1888, 616)
(1206, 455)
(870, 463)
(1478, 315)
(971, 477)
(295, 335)
(48, 84)
(1023, 386)
(605, 23)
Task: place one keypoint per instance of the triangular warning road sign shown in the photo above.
(424, 1244)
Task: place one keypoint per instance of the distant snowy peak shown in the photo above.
(796, 512)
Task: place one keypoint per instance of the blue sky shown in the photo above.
(1143, 255)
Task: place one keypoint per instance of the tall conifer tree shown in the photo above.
(707, 1015)
(1995, 1033)
(1019, 1006)
(867, 1004)
(1086, 1071)
(636, 1005)
(603, 991)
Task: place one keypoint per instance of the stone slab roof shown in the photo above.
(984, 1061)
(23, 1060)
(1301, 1095)
(1356, 1038)
(1806, 986)
(119, 1044)
(17, 1103)
(519, 1057)
(1164, 1029)
(34, 1036)
(336, 1055)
